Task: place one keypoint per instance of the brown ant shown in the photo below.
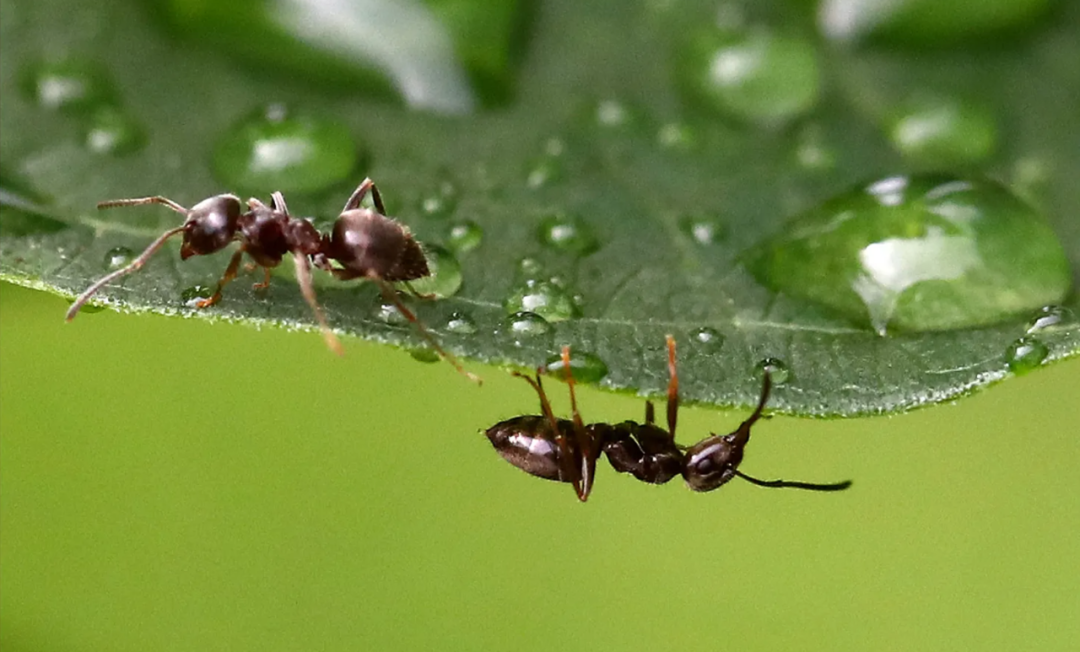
(364, 243)
(566, 450)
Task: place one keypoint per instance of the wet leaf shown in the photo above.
(613, 183)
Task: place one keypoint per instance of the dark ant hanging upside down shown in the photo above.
(364, 243)
(566, 450)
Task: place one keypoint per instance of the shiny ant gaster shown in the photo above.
(364, 243)
(566, 450)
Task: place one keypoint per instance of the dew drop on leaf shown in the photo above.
(530, 268)
(460, 323)
(112, 131)
(274, 149)
(1050, 318)
(389, 314)
(707, 339)
(118, 257)
(442, 201)
(544, 298)
(67, 85)
(778, 371)
(424, 354)
(942, 132)
(701, 229)
(525, 325)
(445, 279)
(568, 233)
(917, 254)
(586, 367)
(192, 295)
(1025, 354)
(465, 236)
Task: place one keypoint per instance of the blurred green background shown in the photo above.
(351, 504)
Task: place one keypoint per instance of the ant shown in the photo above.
(364, 243)
(566, 450)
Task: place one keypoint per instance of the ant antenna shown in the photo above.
(391, 295)
(135, 264)
(785, 484)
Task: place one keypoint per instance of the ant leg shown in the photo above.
(140, 201)
(650, 413)
(266, 277)
(590, 449)
(277, 201)
(418, 295)
(226, 278)
(303, 277)
(361, 191)
(391, 295)
(123, 271)
(784, 484)
(672, 388)
(545, 405)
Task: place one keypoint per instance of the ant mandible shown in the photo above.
(566, 450)
(364, 243)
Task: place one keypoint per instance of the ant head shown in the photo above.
(210, 226)
(712, 461)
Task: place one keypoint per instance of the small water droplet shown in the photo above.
(613, 114)
(424, 354)
(778, 371)
(118, 257)
(522, 326)
(1050, 318)
(465, 236)
(707, 339)
(753, 75)
(277, 150)
(676, 136)
(701, 229)
(1025, 354)
(445, 279)
(113, 132)
(192, 295)
(67, 85)
(918, 254)
(586, 367)
(460, 323)
(548, 167)
(389, 314)
(530, 268)
(568, 233)
(812, 150)
(943, 132)
(442, 201)
(544, 298)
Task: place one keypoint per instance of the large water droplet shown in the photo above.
(778, 371)
(1025, 354)
(567, 233)
(943, 132)
(465, 236)
(544, 298)
(919, 253)
(67, 85)
(194, 294)
(445, 279)
(118, 257)
(707, 339)
(424, 354)
(1049, 318)
(586, 367)
(460, 323)
(276, 150)
(113, 132)
(755, 75)
(523, 326)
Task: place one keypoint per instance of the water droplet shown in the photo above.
(943, 132)
(424, 354)
(276, 150)
(548, 167)
(707, 339)
(1025, 354)
(389, 314)
(676, 136)
(523, 326)
(1050, 318)
(754, 75)
(778, 371)
(586, 367)
(918, 253)
(465, 236)
(460, 323)
(921, 23)
(812, 151)
(568, 233)
(441, 202)
(445, 279)
(530, 268)
(113, 132)
(67, 85)
(544, 298)
(701, 229)
(118, 257)
(194, 294)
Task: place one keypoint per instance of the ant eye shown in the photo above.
(210, 226)
(710, 463)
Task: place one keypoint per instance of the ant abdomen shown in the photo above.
(528, 443)
(210, 226)
(365, 243)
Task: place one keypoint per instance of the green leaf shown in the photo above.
(617, 180)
